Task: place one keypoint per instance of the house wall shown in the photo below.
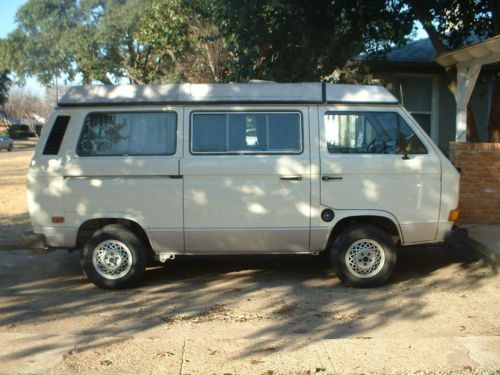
(446, 117)
(479, 165)
(481, 101)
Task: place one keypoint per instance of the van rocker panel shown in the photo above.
(247, 240)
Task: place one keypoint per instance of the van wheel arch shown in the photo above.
(384, 223)
(91, 226)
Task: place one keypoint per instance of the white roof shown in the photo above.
(484, 52)
(225, 93)
(358, 94)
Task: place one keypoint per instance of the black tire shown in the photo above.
(114, 234)
(9, 148)
(378, 241)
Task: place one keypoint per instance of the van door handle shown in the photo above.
(328, 178)
(291, 178)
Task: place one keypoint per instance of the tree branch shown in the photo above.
(425, 19)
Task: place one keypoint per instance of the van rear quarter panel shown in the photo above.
(144, 189)
(45, 181)
(45, 187)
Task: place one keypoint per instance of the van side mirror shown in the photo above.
(405, 155)
(403, 147)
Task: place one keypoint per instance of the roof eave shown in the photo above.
(484, 52)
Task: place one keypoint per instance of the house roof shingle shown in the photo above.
(420, 51)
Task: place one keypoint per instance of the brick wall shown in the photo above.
(479, 181)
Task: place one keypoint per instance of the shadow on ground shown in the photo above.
(12, 229)
(267, 298)
(21, 145)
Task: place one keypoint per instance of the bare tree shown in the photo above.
(27, 107)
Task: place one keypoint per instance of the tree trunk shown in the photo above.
(423, 15)
(494, 123)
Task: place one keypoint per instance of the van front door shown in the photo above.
(246, 181)
(374, 161)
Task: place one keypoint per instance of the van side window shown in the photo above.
(128, 133)
(246, 133)
(56, 135)
(370, 133)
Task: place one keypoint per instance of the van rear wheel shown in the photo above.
(363, 256)
(113, 257)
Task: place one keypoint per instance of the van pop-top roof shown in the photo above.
(222, 93)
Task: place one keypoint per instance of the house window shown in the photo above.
(418, 95)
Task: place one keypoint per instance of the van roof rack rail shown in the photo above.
(225, 93)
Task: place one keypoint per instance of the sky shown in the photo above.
(8, 9)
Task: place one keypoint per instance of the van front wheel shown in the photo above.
(363, 256)
(113, 258)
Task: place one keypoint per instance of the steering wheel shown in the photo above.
(370, 145)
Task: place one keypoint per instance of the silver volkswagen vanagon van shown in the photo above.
(128, 174)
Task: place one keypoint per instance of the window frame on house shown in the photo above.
(434, 113)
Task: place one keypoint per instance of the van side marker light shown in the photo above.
(454, 214)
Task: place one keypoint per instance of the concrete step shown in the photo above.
(485, 240)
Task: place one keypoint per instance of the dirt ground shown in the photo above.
(439, 313)
(250, 315)
(14, 219)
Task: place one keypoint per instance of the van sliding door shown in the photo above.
(246, 180)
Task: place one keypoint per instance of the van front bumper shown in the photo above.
(456, 235)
